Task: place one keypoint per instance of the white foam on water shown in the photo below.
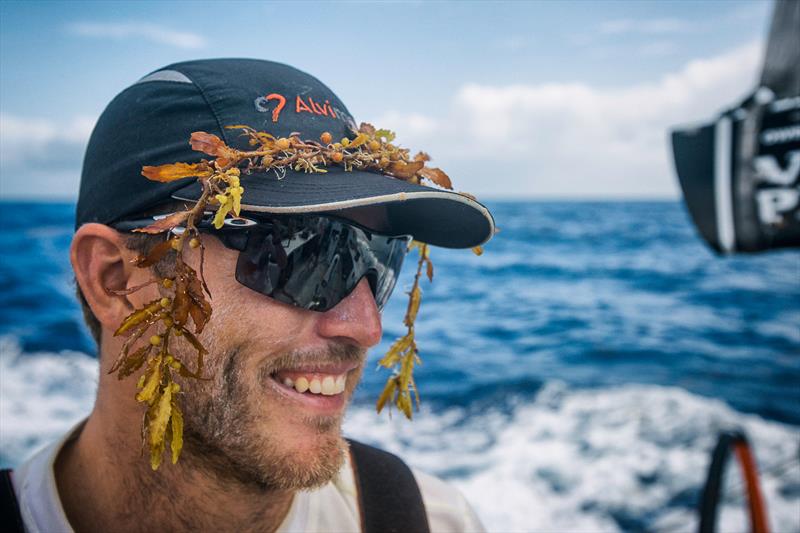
(562, 460)
(42, 395)
(574, 460)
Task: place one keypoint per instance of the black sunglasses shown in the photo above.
(312, 262)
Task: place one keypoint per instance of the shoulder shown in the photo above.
(446, 507)
(36, 491)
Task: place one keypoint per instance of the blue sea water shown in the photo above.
(574, 375)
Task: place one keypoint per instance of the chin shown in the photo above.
(306, 459)
(285, 454)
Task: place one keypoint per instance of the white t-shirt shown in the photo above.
(333, 507)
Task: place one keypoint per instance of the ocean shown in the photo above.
(575, 376)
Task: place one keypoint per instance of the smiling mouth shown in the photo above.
(317, 388)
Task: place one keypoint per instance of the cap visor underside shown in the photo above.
(434, 216)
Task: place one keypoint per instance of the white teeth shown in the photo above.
(301, 385)
(328, 386)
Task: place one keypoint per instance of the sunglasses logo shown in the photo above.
(263, 105)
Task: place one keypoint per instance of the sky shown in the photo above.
(515, 100)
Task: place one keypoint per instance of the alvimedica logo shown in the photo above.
(264, 105)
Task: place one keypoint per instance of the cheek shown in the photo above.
(250, 324)
(243, 320)
(253, 319)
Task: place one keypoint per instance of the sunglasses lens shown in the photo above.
(316, 262)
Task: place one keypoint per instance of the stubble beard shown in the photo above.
(227, 425)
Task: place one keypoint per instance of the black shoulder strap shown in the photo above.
(388, 494)
(11, 521)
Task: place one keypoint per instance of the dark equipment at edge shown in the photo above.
(736, 442)
(739, 174)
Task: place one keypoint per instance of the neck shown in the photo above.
(103, 467)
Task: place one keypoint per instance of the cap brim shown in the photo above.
(434, 216)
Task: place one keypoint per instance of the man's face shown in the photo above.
(250, 421)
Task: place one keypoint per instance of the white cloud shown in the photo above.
(407, 125)
(41, 157)
(139, 30)
(574, 139)
(27, 134)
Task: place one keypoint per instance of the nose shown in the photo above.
(354, 320)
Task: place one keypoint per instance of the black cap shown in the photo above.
(150, 123)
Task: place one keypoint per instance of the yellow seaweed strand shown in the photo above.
(403, 354)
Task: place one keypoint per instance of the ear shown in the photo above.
(101, 261)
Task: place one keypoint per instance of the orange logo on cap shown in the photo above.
(301, 106)
(313, 107)
(281, 102)
(262, 104)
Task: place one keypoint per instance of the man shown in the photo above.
(263, 448)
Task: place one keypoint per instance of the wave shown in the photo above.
(630, 457)
(42, 395)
